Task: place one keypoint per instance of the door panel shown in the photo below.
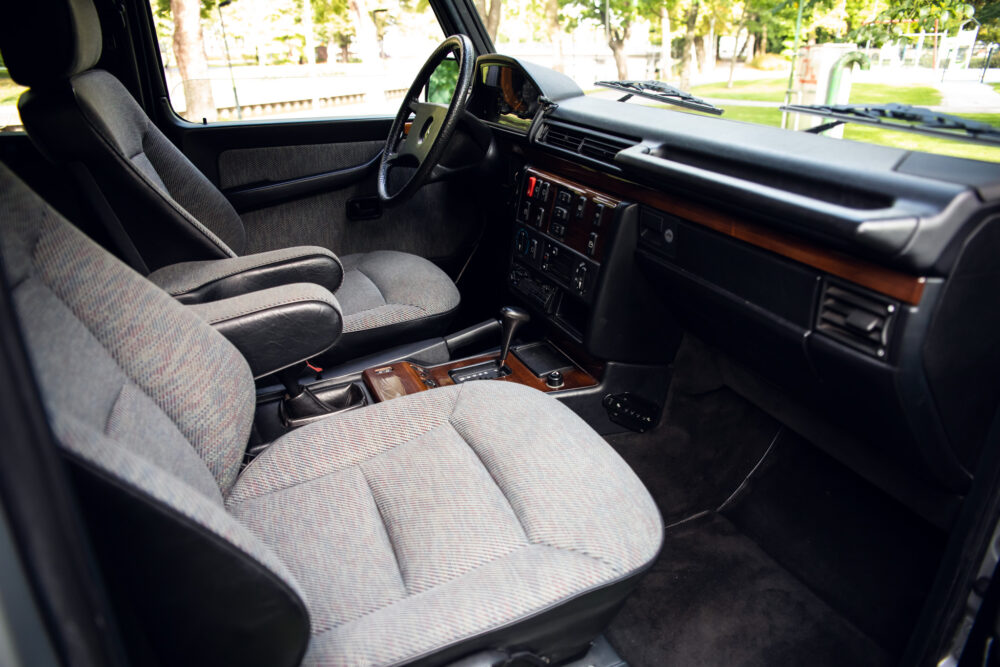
(437, 223)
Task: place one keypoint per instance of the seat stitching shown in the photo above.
(516, 514)
(486, 467)
(375, 285)
(381, 294)
(610, 579)
(427, 591)
(168, 199)
(114, 404)
(278, 489)
(388, 533)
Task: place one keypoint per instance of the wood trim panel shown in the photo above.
(892, 283)
(403, 377)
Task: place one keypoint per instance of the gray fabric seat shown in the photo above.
(479, 516)
(171, 213)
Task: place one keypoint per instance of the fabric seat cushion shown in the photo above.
(423, 521)
(386, 287)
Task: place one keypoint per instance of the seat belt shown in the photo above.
(108, 219)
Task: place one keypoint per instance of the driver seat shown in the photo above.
(170, 221)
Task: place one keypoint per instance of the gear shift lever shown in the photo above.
(511, 319)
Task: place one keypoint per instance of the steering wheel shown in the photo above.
(433, 126)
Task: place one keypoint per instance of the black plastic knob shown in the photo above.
(554, 380)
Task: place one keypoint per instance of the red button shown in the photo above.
(531, 185)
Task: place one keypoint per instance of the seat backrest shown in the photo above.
(152, 409)
(75, 114)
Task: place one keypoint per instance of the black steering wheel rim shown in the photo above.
(434, 123)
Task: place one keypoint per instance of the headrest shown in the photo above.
(43, 41)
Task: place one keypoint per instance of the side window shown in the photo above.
(10, 119)
(268, 59)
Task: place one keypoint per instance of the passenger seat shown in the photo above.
(480, 517)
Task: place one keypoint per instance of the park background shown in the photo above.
(241, 60)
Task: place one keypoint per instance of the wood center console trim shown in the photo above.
(403, 377)
(904, 287)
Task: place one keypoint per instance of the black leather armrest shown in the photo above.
(278, 327)
(212, 280)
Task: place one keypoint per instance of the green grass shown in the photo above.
(995, 86)
(894, 138)
(918, 142)
(761, 90)
(773, 90)
(875, 93)
(9, 91)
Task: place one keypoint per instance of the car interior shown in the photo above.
(527, 377)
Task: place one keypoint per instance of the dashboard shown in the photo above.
(504, 94)
(850, 276)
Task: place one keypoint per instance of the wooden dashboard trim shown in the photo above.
(403, 377)
(904, 287)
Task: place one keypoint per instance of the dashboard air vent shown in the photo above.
(857, 318)
(596, 146)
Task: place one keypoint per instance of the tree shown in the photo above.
(189, 52)
(554, 32)
(333, 25)
(491, 15)
(908, 16)
(617, 17)
(988, 15)
(666, 44)
(688, 59)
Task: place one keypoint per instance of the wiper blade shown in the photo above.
(903, 117)
(661, 92)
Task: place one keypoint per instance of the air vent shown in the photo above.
(857, 318)
(594, 145)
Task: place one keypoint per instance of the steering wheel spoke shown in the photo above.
(432, 125)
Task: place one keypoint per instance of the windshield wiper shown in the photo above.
(661, 92)
(901, 117)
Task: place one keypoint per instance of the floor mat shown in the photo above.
(715, 598)
(866, 555)
(704, 447)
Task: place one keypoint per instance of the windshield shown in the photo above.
(754, 57)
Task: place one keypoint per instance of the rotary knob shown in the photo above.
(554, 380)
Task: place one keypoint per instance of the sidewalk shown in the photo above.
(968, 97)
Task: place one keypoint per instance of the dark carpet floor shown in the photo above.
(703, 448)
(867, 556)
(801, 563)
(715, 598)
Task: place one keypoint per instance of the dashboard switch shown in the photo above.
(538, 219)
(532, 182)
(521, 242)
(592, 244)
(598, 214)
(580, 278)
(581, 205)
(524, 212)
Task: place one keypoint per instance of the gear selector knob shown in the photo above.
(511, 319)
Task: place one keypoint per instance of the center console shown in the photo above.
(561, 236)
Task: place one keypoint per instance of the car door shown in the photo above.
(290, 128)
